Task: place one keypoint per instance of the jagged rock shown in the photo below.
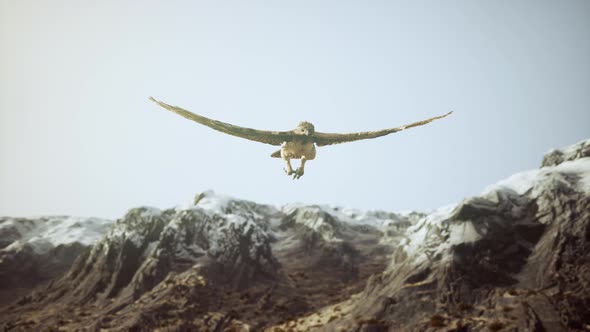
(576, 151)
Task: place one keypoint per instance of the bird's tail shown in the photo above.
(276, 154)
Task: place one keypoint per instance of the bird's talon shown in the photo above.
(297, 174)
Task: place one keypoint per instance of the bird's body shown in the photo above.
(297, 149)
(299, 143)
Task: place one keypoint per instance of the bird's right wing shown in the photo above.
(263, 136)
(322, 139)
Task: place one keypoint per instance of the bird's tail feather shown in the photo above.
(276, 154)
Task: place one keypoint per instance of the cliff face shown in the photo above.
(513, 258)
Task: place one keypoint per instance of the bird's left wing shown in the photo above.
(322, 139)
(263, 136)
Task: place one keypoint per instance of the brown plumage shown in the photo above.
(298, 143)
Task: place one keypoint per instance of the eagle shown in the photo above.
(299, 143)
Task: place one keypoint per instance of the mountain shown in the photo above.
(514, 258)
(36, 250)
(224, 261)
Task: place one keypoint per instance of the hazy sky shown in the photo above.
(79, 136)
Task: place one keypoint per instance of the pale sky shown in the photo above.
(78, 135)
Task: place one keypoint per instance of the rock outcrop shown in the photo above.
(576, 151)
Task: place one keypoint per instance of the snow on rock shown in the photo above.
(424, 238)
(379, 219)
(225, 238)
(35, 250)
(575, 172)
(333, 222)
(44, 233)
(213, 202)
(572, 152)
(132, 226)
(570, 164)
(316, 219)
(195, 232)
(437, 233)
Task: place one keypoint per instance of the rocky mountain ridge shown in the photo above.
(237, 251)
(513, 258)
(36, 250)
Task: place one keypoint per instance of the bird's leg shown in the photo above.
(299, 172)
(289, 168)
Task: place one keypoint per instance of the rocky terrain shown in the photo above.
(34, 251)
(515, 258)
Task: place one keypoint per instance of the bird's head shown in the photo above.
(305, 128)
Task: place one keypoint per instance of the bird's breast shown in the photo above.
(296, 150)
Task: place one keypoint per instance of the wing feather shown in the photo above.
(262, 136)
(322, 139)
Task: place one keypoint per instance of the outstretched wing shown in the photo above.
(322, 139)
(263, 136)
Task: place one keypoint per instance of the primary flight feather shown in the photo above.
(298, 143)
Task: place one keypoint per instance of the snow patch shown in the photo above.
(150, 212)
(213, 202)
(44, 233)
(577, 170)
(428, 227)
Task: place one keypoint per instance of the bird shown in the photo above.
(299, 143)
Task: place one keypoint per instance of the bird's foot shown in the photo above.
(288, 171)
(298, 173)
